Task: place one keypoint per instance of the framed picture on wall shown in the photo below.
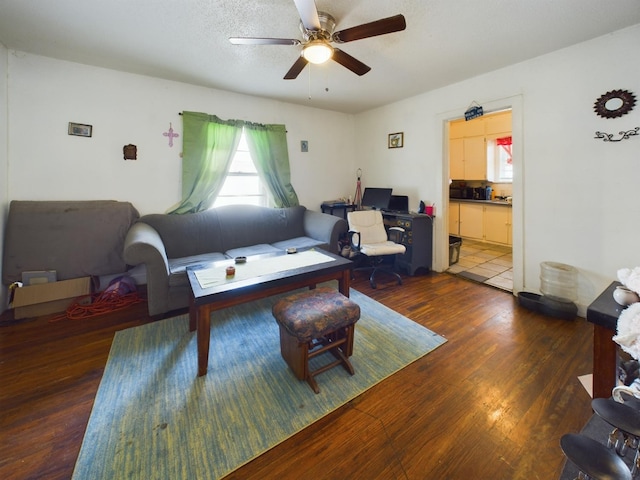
(396, 140)
(80, 130)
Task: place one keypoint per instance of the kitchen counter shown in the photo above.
(486, 202)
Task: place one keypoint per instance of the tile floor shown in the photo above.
(485, 263)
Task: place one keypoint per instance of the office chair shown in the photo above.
(369, 238)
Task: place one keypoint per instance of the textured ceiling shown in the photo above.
(446, 41)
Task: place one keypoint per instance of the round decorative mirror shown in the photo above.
(615, 103)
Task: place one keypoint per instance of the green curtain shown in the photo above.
(269, 152)
(208, 147)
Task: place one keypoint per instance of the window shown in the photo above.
(242, 185)
(500, 161)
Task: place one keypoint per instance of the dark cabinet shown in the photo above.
(417, 238)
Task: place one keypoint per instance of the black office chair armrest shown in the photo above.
(352, 236)
(396, 234)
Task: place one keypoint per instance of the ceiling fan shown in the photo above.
(318, 34)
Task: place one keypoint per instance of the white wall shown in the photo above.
(47, 164)
(4, 199)
(575, 197)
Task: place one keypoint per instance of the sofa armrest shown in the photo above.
(143, 245)
(325, 228)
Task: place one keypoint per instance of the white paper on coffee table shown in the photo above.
(211, 277)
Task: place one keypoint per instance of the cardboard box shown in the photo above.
(47, 298)
(38, 277)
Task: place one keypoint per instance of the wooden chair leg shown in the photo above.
(340, 345)
(313, 384)
(336, 352)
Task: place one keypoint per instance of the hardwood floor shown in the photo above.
(492, 403)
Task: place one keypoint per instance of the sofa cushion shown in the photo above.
(202, 230)
(251, 250)
(247, 225)
(300, 243)
(178, 266)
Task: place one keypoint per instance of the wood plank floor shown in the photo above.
(492, 403)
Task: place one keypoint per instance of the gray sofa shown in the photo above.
(167, 244)
(74, 238)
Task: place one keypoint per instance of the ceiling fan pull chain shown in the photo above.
(310, 82)
(326, 80)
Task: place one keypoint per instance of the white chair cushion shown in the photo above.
(374, 239)
(385, 248)
(369, 224)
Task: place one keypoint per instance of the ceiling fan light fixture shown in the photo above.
(317, 51)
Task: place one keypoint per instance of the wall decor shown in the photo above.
(615, 103)
(171, 135)
(80, 129)
(475, 110)
(396, 140)
(130, 152)
(608, 137)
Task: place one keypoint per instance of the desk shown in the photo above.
(603, 313)
(417, 238)
(345, 207)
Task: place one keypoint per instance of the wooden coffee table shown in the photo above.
(243, 288)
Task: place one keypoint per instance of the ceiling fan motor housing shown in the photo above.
(327, 27)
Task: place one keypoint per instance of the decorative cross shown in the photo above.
(171, 135)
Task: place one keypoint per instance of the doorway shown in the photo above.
(485, 263)
(481, 173)
(496, 264)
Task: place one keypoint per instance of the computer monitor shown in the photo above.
(399, 203)
(376, 198)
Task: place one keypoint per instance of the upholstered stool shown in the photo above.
(314, 322)
(593, 458)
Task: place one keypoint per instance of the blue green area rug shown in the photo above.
(154, 418)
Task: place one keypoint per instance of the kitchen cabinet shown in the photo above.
(481, 221)
(462, 128)
(498, 123)
(475, 158)
(456, 159)
(454, 218)
(472, 220)
(468, 144)
(497, 224)
(468, 158)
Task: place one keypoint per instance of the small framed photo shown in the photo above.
(80, 129)
(396, 140)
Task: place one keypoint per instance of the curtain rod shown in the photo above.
(286, 131)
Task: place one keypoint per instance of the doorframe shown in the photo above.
(441, 254)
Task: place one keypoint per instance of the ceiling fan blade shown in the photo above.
(263, 41)
(296, 68)
(373, 29)
(353, 64)
(308, 14)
